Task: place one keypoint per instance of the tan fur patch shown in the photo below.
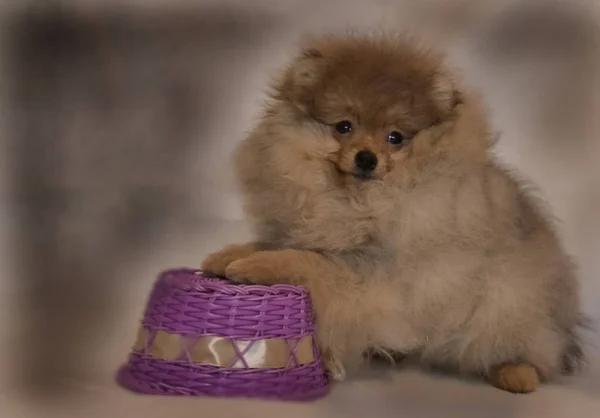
(516, 378)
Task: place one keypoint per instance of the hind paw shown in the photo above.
(516, 378)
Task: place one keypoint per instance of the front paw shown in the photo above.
(259, 268)
(217, 263)
(334, 366)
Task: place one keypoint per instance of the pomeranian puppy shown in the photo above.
(369, 181)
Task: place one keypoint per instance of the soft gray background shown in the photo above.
(117, 119)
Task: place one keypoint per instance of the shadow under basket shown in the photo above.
(206, 336)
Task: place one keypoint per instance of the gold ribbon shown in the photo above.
(269, 353)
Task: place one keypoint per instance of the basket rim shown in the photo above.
(226, 383)
(190, 279)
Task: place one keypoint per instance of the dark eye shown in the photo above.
(395, 138)
(343, 127)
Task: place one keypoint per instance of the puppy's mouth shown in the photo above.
(358, 175)
(362, 176)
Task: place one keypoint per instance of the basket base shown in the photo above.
(158, 377)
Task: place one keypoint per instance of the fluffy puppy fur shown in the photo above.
(436, 251)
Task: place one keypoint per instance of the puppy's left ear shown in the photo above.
(445, 93)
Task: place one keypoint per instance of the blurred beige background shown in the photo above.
(117, 120)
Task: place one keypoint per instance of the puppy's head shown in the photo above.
(376, 97)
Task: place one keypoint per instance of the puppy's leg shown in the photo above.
(275, 267)
(515, 378)
(216, 263)
(334, 296)
(516, 354)
(392, 357)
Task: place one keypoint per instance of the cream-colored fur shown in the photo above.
(442, 253)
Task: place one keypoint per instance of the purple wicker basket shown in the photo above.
(206, 336)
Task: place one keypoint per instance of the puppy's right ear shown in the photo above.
(307, 69)
(301, 79)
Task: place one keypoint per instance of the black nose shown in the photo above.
(365, 161)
